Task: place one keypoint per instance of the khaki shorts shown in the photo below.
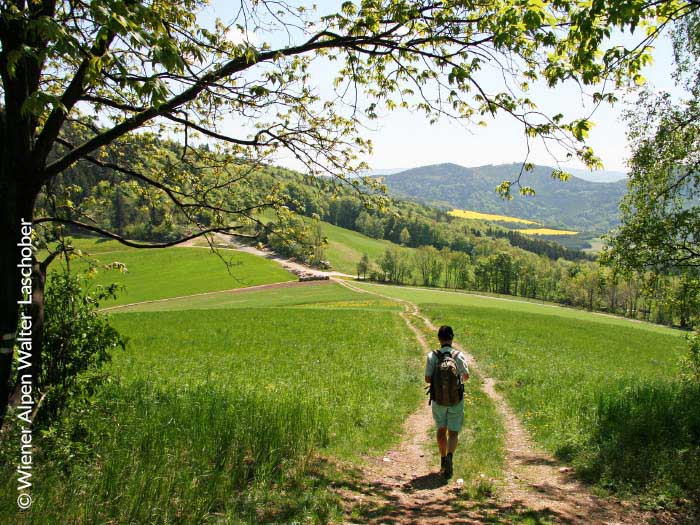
(450, 417)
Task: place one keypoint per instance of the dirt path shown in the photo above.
(227, 244)
(406, 489)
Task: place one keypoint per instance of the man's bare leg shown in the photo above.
(452, 440)
(442, 441)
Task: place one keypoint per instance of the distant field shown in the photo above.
(546, 231)
(428, 296)
(467, 214)
(172, 272)
(345, 248)
(596, 246)
(325, 295)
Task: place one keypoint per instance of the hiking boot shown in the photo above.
(442, 465)
(447, 469)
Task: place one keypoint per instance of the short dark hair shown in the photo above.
(445, 333)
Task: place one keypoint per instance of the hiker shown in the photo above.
(446, 370)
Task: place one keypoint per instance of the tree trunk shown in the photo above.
(18, 192)
(20, 168)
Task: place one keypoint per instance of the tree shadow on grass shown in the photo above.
(389, 503)
(454, 510)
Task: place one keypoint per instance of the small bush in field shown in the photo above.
(690, 363)
(77, 339)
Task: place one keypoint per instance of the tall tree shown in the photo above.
(660, 213)
(80, 80)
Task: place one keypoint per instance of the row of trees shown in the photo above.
(415, 225)
(665, 299)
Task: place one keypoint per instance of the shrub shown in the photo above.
(76, 342)
(690, 364)
(646, 439)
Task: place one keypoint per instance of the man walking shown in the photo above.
(446, 370)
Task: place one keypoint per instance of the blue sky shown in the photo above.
(403, 139)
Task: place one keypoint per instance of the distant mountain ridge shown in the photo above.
(576, 204)
(591, 176)
(598, 176)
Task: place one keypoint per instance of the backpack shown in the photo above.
(446, 387)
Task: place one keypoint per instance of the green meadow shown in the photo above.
(318, 294)
(181, 433)
(424, 296)
(345, 248)
(172, 272)
(597, 391)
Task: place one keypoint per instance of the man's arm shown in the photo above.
(463, 361)
(428, 368)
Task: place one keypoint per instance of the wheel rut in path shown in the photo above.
(404, 487)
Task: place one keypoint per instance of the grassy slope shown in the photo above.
(181, 431)
(327, 360)
(345, 247)
(604, 397)
(173, 272)
(597, 391)
(428, 296)
(538, 351)
(315, 296)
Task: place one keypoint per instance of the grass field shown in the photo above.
(322, 295)
(602, 397)
(182, 434)
(503, 304)
(597, 391)
(173, 272)
(345, 247)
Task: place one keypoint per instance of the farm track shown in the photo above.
(257, 288)
(406, 488)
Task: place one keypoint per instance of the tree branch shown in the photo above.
(69, 98)
(236, 65)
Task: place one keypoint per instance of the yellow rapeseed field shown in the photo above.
(467, 214)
